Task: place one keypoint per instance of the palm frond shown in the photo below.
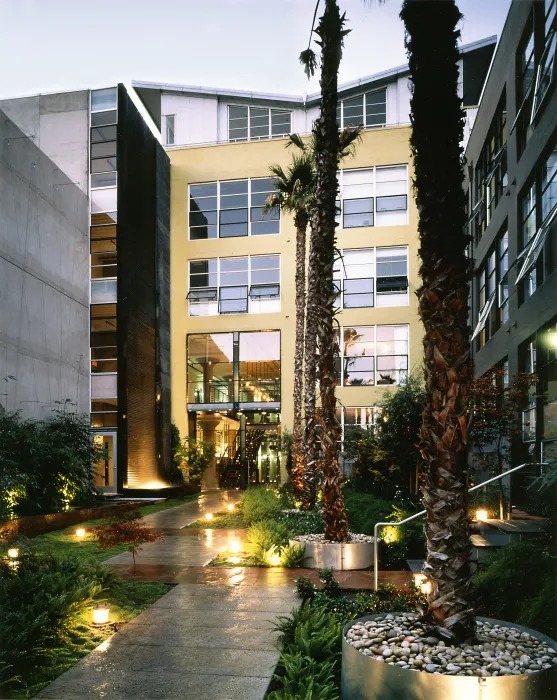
(348, 138)
(309, 61)
(296, 140)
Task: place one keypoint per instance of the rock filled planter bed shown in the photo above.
(320, 553)
(379, 652)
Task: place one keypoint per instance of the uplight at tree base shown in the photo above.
(208, 516)
(13, 553)
(235, 546)
(80, 532)
(481, 515)
(231, 507)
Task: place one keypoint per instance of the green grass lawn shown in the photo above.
(65, 543)
(223, 520)
(126, 602)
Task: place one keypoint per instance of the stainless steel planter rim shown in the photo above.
(342, 556)
(366, 679)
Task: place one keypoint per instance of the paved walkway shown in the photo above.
(195, 643)
(202, 640)
(210, 637)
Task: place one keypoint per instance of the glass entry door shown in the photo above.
(105, 468)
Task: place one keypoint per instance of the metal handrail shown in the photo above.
(423, 512)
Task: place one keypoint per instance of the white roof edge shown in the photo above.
(300, 99)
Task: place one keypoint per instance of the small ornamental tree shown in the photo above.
(126, 528)
(195, 458)
(496, 424)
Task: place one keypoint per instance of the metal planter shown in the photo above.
(366, 679)
(337, 555)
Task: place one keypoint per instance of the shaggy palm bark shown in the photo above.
(297, 476)
(437, 133)
(330, 31)
(311, 451)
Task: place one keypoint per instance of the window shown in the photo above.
(491, 171)
(369, 109)
(528, 362)
(526, 73)
(232, 208)
(228, 368)
(356, 419)
(169, 121)
(374, 355)
(492, 291)
(546, 70)
(368, 277)
(374, 196)
(549, 184)
(254, 123)
(248, 284)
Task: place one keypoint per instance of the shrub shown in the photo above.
(46, 465)
(260, 503)
(519, 584)
(301, 522)
(303, 678)
(264, 539)
(40, 600)
(194, 457)
(364, 510)
(292, 555)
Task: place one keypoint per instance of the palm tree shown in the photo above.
(294, 193)
(437, 134)
(321, 305)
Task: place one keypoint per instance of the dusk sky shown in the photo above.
(53, 45)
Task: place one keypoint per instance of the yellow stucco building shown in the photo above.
(232, 269)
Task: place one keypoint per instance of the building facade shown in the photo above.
(232, 268)
(99, 139)
(44, 291)
(512, 189)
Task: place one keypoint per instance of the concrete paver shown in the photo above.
(200, 641)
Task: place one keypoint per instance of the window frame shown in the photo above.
(364, 95)
(249, 207)
(343, 359)
(214, 289)
(167, 141)
(249, 137)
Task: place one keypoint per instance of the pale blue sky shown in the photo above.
(51, 45)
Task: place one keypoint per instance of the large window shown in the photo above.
(356, 419)
(492, 290)
(545, 74)
(491, 170)
(373, 355)
(249, 284)
(369, 109)
(526, 73)
(232, 208)
(254, 123)
(234, 368)
(103, 180)
(538, 226)
(368, 277)
(373, 197)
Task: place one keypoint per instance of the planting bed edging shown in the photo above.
(32, 525)
(366, 679)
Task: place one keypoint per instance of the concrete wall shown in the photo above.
(44, 287)
(59, 125)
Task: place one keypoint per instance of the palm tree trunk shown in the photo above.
(301, 222)
(331, 32)
(437, 133)
(311, 452)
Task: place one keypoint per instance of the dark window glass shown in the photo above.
(359, 371)
(203, 218)
(258, 123)
(199, 233)
(264, 184)
(233, 230)
(103, 133)
(203, 295)
(101, 150)
(264, 276)
(263, 228)
(257, 214)
(103, 165)
(234, 187)
(264, 291)
(207, 190)
(390, 285)
(376, 108)
(234, 201)
(103, 118)
(233, 216)
(280, 122)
